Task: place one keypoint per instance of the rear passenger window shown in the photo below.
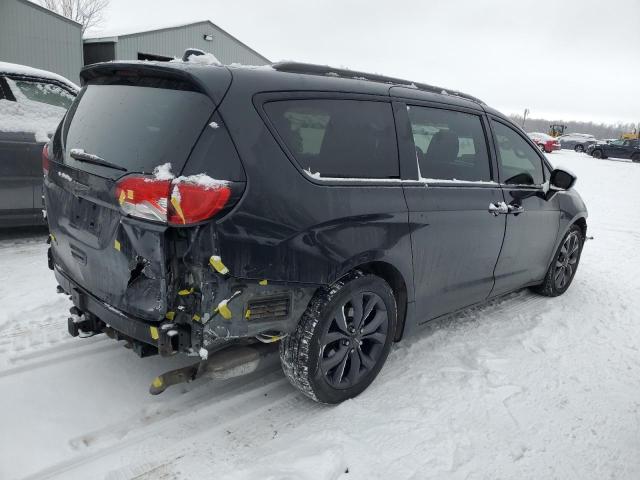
(338, 138)
(449, 145)
(519, 161)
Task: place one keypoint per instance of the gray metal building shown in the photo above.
(34, 36)
(171, 42)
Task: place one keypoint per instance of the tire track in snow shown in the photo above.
(67, 344)
(232, 408)
(149, 416)
(200, 413)
(47, 362)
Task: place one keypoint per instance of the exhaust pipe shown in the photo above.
(221, 365)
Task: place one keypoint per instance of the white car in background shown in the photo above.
(32, 103)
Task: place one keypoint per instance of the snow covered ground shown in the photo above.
(526, 387)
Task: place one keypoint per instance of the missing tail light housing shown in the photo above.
(176, 202)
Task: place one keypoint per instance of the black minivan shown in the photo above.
(201, 209)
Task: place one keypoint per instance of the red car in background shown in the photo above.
(545, 142)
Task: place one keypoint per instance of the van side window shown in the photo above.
(449, 145)
(519, 162)
(338, 138)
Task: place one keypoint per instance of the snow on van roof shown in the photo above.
(17, 69)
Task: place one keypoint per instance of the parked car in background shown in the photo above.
(232, 208)
(32, 103)
(576, 141)
(629, 149)
(545, 142)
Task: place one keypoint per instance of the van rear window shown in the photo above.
(338, 138)
(134, 127)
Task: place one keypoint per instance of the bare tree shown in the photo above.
(89, 13)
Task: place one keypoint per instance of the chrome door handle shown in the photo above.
(498, 208)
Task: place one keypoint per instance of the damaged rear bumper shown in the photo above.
(251, 309)
(95, 316)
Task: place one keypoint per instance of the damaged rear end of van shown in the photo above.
(136, 179)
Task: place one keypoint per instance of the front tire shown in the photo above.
(564, 264)
(579, 148)
(342, 340)
(597, 154)
(635, 158)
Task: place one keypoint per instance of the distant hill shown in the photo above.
(598, 130)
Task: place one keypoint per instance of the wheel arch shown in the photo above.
(582, 223)
(390, 274)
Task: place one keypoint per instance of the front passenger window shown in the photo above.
(519, 161)
(449, 145)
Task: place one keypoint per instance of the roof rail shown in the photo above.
(313, 69)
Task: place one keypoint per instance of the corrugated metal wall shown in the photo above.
(172, 42)
(31, 36)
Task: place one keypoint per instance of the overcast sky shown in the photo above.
(565, 59)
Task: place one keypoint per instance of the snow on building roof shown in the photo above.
(123, 32)
(112, 35)
(17, 69)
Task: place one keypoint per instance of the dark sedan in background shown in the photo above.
(32, 103)
(576, 141)
(629, 149)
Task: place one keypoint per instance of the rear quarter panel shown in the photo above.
(288, 227)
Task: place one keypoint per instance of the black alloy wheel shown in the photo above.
(567, 260)
(353, 340)
(343, 338)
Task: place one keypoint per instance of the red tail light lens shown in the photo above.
(177, 202)
(192, 203)
(144, 197)
(45, 159)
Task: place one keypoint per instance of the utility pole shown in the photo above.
(524, 117)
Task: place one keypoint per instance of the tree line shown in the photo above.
(598, 130)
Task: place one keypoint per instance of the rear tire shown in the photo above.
(579, 148)
(635, 157)
(564, 264)
(342, 340)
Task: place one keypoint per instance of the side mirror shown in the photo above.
(562, 179)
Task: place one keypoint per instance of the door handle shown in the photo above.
(515, 209)
(498, 208)
(501, 208)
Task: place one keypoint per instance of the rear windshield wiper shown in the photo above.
(83, 156)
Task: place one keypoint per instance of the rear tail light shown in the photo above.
(45, 159)
(177, 202)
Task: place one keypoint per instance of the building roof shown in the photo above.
(112, 36)
(50, 12)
